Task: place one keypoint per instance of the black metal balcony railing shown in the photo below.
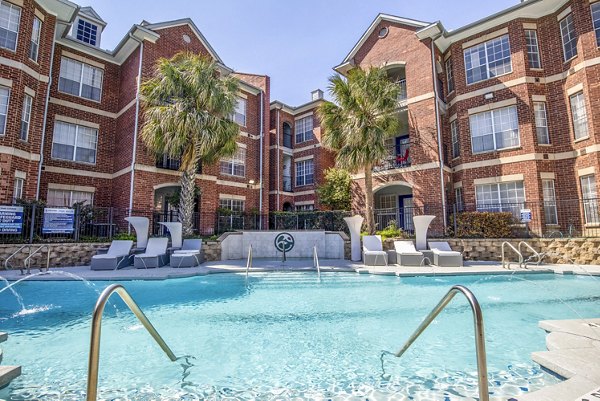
(399, 157)
(169, 163)
(287, 183)
(402, 96)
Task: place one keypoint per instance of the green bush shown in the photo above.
(125, 237)
(391, 231)
(483, 224)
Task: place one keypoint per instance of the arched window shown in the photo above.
(287, 135)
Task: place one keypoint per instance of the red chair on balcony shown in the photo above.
(403, 160)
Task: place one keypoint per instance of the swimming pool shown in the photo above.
(287, 336)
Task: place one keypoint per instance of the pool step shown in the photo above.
(7, 373)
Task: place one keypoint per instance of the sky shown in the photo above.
(294, 42)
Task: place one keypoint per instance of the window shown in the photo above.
(87, 32)
(235, 205)
(10, 17)
(450, 75)
(236, 165)
(287, 135)
(4, 98)
(67, 198)
(549, 195)
(579, 114)
(503, 197)
(304, 129)
(458, 195)
(18, 190)
(541, 123)
(239, 114)
(590, 199)
(488, 60)
(494, 130)
(569, 37)
(305, 208)
(26, 117)
(74, 142)
(455, 141)
(596, 20)
(80, 79)
(34, 46)
(388, 201)
(533, 48)
(305, 173)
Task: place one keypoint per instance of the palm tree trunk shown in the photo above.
(186, 200)
(369, 198)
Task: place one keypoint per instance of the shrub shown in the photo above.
(391, 231)
(125, 237)
(483, 224)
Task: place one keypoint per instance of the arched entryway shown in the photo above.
(394, 203)
(287, 207)
(166, 206)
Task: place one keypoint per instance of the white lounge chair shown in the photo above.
(154, 256)
(189, 255)
(116, 257)
(444, 256)
(406, 254)
(373, 250)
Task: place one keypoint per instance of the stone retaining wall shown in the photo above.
(61, 255)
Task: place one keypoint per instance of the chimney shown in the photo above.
(317, 94)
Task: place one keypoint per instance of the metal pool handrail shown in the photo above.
(249, 261)
(506, 243)
(484, 392)
(94, 357)
(535, 253)
(27, 261)
(316, 263)
(15, 253)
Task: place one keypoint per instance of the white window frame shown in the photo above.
(305, 173)
(458, 197)
(541, 123)
(229, 165)
(492, 115)
(568, 36)
(4, 108)
(589, 193)
(454, 135)
(18, 188)
(496, 191)
(303, 133)
(234, 205)
(239, 113)
(305, 208)
(483, 47)
(75, 147)
(76, 31)
(549, 196)
(84, 66)
(595, 10)
(70, 202)
(388, 201)
(579, 116)
(12, 8)
(450, 75)
(34, 44)
(26, 117)
(532, 45)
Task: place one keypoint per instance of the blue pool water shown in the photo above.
(287, 336)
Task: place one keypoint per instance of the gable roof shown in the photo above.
(348, 61)
(190, 23)
(92, 14)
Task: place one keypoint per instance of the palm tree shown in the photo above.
(360, 121)
(187, 109)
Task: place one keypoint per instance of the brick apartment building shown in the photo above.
(498, 115)
(495, 115)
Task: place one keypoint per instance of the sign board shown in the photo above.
(284, 242)
(58, 221)
(525, 215)
(11, 219)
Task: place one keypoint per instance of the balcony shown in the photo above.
(287, 183)
(398, 157)
(174, 164)
(402, 96)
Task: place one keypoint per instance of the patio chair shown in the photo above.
(115, 258)
(407, 254)
(373, 250)
(189, 255)
(444, 256)
(154, 256)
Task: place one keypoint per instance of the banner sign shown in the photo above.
(11, 219)
(58, 221)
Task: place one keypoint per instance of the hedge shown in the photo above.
(483, 224)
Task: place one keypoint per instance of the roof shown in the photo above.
(90, 13)
(348, 61)
(276, 104)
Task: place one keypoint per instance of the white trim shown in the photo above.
(485, 38)
(29, 91)
(586, 171)
(241, 145)
(301, 159)
(93, 110)
(575, 89)
(458, 184)
(305, 148)
(80, 173)
(82, 59)
(9, 150)
(547, 176)
(304, 193)
(302, 203)
(15, 2)
(452, 118)
(493, 106)
(300, 117)
(414, 167)
(530, 26)
(564, 13)
(67, 187)
(496, 180)
(25, 68)
(20, 174)
(71, 120)
(39, 14)
(538, 98)
(235, 197)
(167, 185)
(6, 82)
